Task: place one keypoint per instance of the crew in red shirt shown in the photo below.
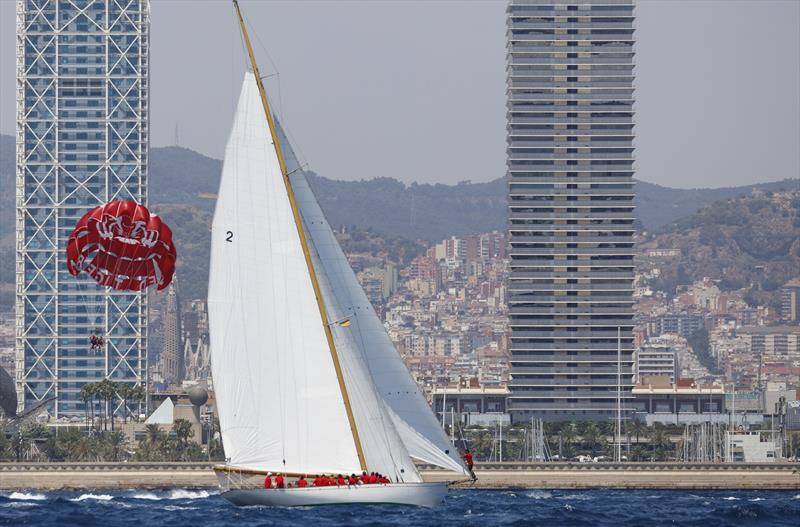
(364, 478)
(302, 483)
(340, 480)
(352, 480)
(279, 481)
(373, 478)
(470, 463)
(268, 481)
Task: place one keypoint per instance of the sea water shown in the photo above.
(613, 508)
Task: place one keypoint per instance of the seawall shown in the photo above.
(739, 476)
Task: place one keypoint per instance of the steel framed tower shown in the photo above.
(82, 140)
(570, 167)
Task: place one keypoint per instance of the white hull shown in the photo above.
(417, 494)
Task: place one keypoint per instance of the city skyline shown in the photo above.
(710, 68)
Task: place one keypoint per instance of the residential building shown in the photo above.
(656, 360)
(790, 301)
(82, 140)
(570, 166)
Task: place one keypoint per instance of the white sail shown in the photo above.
(279, 401)
(389, 375)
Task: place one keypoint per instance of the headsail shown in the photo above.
(425, 439)
(276, 388)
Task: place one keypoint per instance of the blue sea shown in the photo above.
(617, 508)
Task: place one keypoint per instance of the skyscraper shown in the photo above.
(173, 366)
(82, 140)
(570, 166)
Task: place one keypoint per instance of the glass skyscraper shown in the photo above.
(82, 140)
(570, 166)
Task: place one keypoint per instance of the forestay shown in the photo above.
(421, 433)
(279, 401)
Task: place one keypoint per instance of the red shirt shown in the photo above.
(365, 479)
(468, 458)
(279, 482)
(383, 480)
(318, 482)
(302, 483)
(340, 481)
(267, 482)
(352, 480)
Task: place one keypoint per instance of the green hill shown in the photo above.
(746, 242)
(183, 184)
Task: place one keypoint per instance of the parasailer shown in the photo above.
(122, 246)
(97, 342)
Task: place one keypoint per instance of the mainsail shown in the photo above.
(421, 434)
(280, 403)
(279, 400)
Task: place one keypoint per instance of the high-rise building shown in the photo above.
(82, 139)
(173, 367)
(570, 166)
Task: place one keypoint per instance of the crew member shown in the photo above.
(279, 481)
(302, 483)
(470, 463)
(268, 481)
(340, 480)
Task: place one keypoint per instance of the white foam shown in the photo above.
(179, 508)
(183, 494)
(146, 496)
(98, 497)
(539, 495)
(757, 499)
(731, 498)
(26, 496)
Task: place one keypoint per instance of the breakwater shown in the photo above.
(710, 476)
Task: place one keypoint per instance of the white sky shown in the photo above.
(415, 90)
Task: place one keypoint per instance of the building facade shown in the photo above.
(656, 360)
(570, 166)
(82, 140)
(173, 366)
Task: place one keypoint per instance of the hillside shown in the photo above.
(183, 184)
(747, 242)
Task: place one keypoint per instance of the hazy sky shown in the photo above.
(416, 89)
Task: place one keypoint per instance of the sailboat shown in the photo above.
(307, 382)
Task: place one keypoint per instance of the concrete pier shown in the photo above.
(740, 476)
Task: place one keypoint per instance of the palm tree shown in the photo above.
(124, 391)
(153, 433)
(114, 442)
(591, 437)
(86, 395)
(138, 396)
(183, 431)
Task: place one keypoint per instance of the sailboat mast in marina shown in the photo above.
(307, 381)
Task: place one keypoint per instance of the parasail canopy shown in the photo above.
(122, 246)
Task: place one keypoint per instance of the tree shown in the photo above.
(183, 432)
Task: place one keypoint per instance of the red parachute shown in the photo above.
(121, 245)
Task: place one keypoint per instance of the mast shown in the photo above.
(303, 242)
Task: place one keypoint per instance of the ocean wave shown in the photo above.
(539, 495)
(184, 494)
(26, 496)
(179, 508)
(146, 496)
(757, 499)
(98, 497)
(731, 498)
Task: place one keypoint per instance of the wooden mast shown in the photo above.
(301, 232)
